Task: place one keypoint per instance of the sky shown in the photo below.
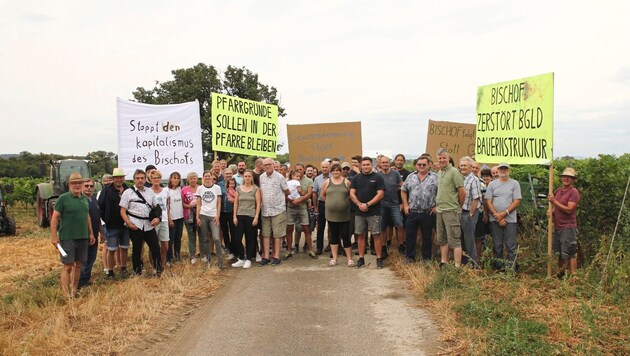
(392, 65)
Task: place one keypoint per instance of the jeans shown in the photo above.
(209, 227)
(86, 268)
(245, 226)
(425, 221)
(468, 228)
(503, 236)
(138, 237)
(175, 242)
(192, 230)
(321, 225)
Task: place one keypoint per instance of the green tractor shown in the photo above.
(7, 223)
(46, 194)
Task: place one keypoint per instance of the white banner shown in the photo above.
(166, 136)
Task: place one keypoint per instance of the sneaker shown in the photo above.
(287, 255)
(401, 249)
(168, 264)
(284, 244)
(220, 265)
(231, 256)
(123, 272)
(205, 260)
(110, 274)
(360, 262)
(312, 255)
(319, 252)
(442, 265)
(258, 258)
(384, 254)
(264, 261)
(239, 263)
(379, 263)
(193, 261)
(275, 262)
(305, 248)
(247, 264)
(296, 250)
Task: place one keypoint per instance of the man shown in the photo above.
(241, 167)
(258, 170)
(117, 235)
(297, 212)
(134, 210)
(399, 162)
(391, 205)
(216, 169)
(273, 211)
(495, 172)
(71, 229)
(564, 209)
(356, 166)
(276, 166)
(475, 169)
(320, 204)
(503, 197)
(223, 164)
(148, 169)
(418, 196)
(470, 208)
(448, 203)
(95, 221)
(366, 192)
(310, 171)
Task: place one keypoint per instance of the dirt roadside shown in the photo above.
(302, 307)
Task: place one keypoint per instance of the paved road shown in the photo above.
(303, 307)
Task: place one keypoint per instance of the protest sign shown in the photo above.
(244, 126)
(166, 136)
(457, 138)
(311, 144)
(515, 121)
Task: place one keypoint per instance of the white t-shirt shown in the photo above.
(161, 199)
(209, 196)
(293, 189)
(176, 204)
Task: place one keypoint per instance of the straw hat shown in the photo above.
(118, 172)
(75, 177)
(569, 172)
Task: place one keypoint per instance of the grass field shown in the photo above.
(107, 318)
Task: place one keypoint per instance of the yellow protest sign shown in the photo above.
(456, 137)
(244, 126)
(312, 143)
(515, 121)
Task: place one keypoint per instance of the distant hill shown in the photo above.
(7, 155)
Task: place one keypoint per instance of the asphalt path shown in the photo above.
(304, 307)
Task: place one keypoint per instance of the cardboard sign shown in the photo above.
(457, 138)
(311, 144)
(244, 126)
(166, 136)
(515, 121)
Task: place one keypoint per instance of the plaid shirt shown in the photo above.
(473, 191)
(273, 197)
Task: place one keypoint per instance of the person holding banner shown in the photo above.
(449, 201)
(564, 209)
(503, 197)
(274, 211)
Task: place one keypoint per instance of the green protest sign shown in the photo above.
(244, 126)
(515, 121)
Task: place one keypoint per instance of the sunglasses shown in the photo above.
(89, 185)
(421, 164)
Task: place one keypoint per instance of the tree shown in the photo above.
(197, 83)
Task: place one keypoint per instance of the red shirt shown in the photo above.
(561, 219)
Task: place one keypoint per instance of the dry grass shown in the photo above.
(109, 316)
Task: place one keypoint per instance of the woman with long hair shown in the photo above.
(175, 218)
(190, 214)
(246, 211)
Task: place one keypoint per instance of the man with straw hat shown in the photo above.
(71, 231)
(564, 209)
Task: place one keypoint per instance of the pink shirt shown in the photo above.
(188, 195)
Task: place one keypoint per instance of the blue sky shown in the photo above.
(391, 65)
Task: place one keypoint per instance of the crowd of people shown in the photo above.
(238, 212)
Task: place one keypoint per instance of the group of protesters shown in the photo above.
(365, 203)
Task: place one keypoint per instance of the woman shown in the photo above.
(336, 193)
(175, 218)
(189, 202)
(245, 217)
(208, 216)
(227, 226)
(161, 229)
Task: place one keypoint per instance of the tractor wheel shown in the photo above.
(42, 220)
(11, 226)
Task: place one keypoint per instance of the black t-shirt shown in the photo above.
(366, 188)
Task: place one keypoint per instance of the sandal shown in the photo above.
(332, 263)
(351, 263)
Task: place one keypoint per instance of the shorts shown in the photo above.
(449, 229)
(275, 226)
(76, 250)
(565, 243)
(391, 217)
(297, 214)
(362, 223)
(117, 238)
(162, 231)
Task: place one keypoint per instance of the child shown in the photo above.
(295, 191)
